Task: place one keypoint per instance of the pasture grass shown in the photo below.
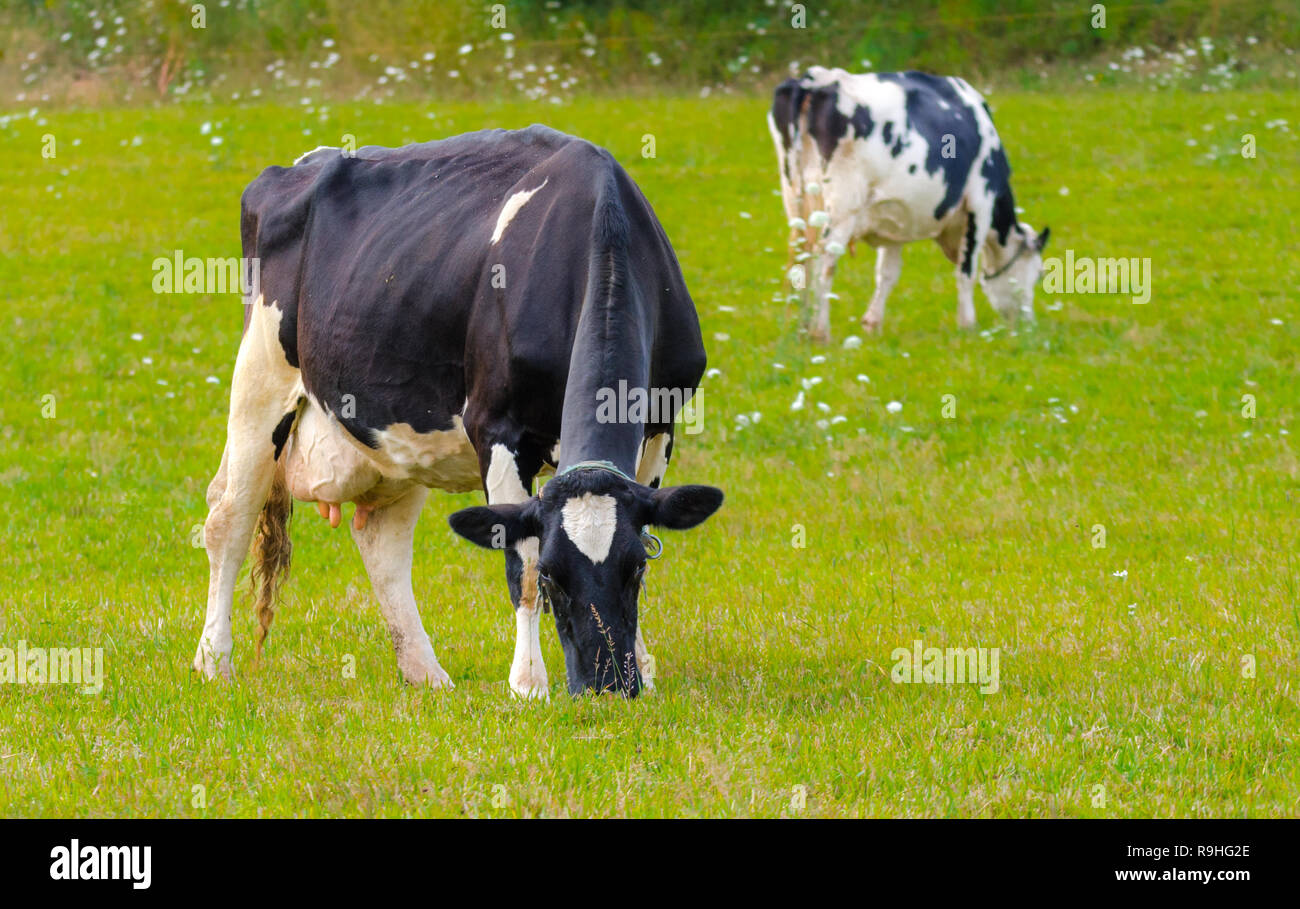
(1120, 694)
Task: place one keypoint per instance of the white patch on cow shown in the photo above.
(511, 208)
(654, 459)
(590, 521)
(503, 482)
(442, 458)
(305, 155)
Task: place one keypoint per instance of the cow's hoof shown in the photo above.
(530, 687)
(434, 677)
(211, 664)
(871, 325)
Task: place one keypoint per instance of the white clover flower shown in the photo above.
(894, 406)
(819, 219)
(852, 342)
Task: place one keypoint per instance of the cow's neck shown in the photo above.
(611, 358)
(998, 254)
(1003, 238)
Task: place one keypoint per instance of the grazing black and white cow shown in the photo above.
(891, 158)
(447, 315)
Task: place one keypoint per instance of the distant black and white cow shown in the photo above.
(447, 315)
(891, 158)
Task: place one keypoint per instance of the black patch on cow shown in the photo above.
(862, 122)
(996, 173)
(934, 111)
(827, 125)
(897, 148)
(911, 168)
(281, 433)
(887, 132)
(786, 101)
(968, 253)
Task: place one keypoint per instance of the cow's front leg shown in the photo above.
(507, 482)
(965, 300)
(650, 471)
(386, 541)
(967, 264)
(889, 265)
(527, 670)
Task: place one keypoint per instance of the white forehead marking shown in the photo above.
(590, 520)
(511, 208)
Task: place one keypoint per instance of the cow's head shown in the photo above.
(591, 558)
(1019, 265)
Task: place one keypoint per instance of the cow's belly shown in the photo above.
(895, 216)
(883, 204)
(324, 463)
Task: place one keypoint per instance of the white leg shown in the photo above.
(386, 550)
(650, 471)
(819, 327)
(965, 300)
(527, 669)
(968, 267)
(264, 388)
(889, 265)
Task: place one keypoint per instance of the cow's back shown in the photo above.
(396, 268)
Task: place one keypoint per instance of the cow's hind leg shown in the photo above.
(819, 323)
(889, 265)
(264, 395)
(386, 543)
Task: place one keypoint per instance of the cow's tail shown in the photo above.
(272, 550)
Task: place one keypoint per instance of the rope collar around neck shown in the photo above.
(1012, 261)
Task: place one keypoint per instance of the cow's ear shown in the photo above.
(496, 526)
(683, 507)
(1041, 240)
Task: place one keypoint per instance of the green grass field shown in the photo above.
(1120, 694)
